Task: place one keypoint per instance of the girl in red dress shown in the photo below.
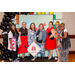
(50, 43)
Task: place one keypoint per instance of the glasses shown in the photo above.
(56, 24)
(61, 26)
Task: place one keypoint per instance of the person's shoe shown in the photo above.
(42, 58)
(16, 60)
(51, 58)
(33, 59)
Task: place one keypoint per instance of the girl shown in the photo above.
(50, 43)
(23, 32)
(57, 36)
(40, 39)
(65, 44)
(32, 37)
(13, 38)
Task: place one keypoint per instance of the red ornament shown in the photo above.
(31, 13)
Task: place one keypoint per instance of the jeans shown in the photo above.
(42, 51)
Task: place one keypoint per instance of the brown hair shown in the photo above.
(42, 25)
(62, 24)
(34, 26)
(51, 22)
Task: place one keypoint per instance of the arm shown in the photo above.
(10, 36)
(29, 37)
(19, 40)
(65, 35)
(44, 37)
(34, 40)
(56, 36)
(53, 33)
(10, 40)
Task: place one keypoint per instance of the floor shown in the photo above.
(71, 59)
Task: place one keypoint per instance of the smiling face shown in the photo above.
(41, 26)
(50, 25)
(62, 26)
(13, 27)
(32, 26)
(56, 25)
(24, 25)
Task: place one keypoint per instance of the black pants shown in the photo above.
(31, 57)
(14, 53)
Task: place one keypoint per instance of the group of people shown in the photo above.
(49, 39)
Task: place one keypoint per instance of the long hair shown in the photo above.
(34, 26)
(10, 29)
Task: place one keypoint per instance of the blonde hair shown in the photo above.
(23, 22)
(57, 22)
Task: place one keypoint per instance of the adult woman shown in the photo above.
(65, 44)
(23, 32)
(32, 37)
(57, 36)
(50, 43)
(13, 37)
(40, 39)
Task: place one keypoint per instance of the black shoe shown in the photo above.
(42, 58)
(23, 59)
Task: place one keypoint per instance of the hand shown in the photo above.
(33, 41)
(49, 36)
(20, 42)
(11, 47)
(58, 43)
(42, 43)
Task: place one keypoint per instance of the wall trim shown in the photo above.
(71, 52)
(70, 36)
(1, 36)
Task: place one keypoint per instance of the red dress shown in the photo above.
(24, 40)
(50, 44)
(23, 47)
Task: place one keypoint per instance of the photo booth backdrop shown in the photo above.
(37, 18)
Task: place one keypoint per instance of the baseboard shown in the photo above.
(71, 52)
(1, 36)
